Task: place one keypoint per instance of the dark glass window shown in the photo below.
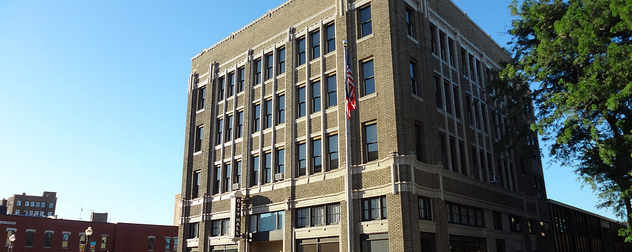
(48, 237)
(201, 98)
(365, 21)
(368, 80)
(267, 168)
(267, 123)
(301, 217)
(410, 28)
(257, 68)
(241, 77)
(227, 173)
(433, 38)
(301, 102)
(269, 66)
(315, 44)
(220, 87)
(317, 156)
(302, 159)
(457, 105)
(448, 97)
(330, 36)
(238, 172)
(229, 128)
(316, 96)
(281, 109)
(300, 52)
(240, 124)
(29, 238)
(437, 89)
(281, 64)
(420, 152)
(218, 179)
(370, 134)
(424, 208)
(220, 127)
(280, 160)
(332, 151)
(332, 99)
(413, 77)
(195, 189)
(256, 114)
(374, 208)
(231, 85)
(254, 180)
(199, 136)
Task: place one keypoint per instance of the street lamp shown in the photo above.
(88, 234)
(11, 239)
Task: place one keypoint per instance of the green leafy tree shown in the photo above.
(576, 55)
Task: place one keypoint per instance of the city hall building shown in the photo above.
(268, 145)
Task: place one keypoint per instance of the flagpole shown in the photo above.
(348, 168)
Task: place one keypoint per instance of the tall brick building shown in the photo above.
(266, 120)
(32, 205)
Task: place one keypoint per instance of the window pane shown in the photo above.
(367, 77)
(267, 222)
(333, 151)
(317, 163)
(316, 96)
(302, 160)
(370, 132)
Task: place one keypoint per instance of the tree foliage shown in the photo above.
(577, 57)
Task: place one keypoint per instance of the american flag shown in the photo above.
(351, 91)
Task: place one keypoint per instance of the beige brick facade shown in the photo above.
(435, 127)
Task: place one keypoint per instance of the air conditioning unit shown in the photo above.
(235, 186)
(494, 179)
(279, 176)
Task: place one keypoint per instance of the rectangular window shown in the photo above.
(150, 243)
(254, 179)
(315, 37)
(374, 208)
(104, 241)
(231, 85)
(237, 172)
(267, 221)
(256, 115)
(281, 61)
(515, 223)
(280, 109)
(368, 81)
(453, 156)
(448, 97)
(267, 123)
(48, 237)
(462, 152)
(201, 98)
(301, 217)
(420, 152)
(370, 146)
(280, 161)
(241, 79)
(413, 78)
(451, 52)
(332, 152)
(410, 27)
(197, 176)
(269, 61)
(317, 216)
(240, 124)
(220, 134)
(300, 53)
(424, 209)
(498, 220)
(175, 243)
(229, 128)
(333, 214)
(464, 61)
(227, 173)
(65, 237)
(167, 244)
(199, 135)
(332, 97)
(257, 70)
(315, 96)
(18, 203)
(225, 227)
(465, 215)
(468, 108)
(365, 21)
(29, 238)
(302, 159)
(267, 168)
(433, 38)
(218, 179)
(317, 157)
(17, 212)
(457, 105)
(442, 46)
(220, 87)
(330, 36)
(301, 102)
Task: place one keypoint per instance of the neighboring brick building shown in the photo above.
(266, 118)
(47, 234)
(30, 205)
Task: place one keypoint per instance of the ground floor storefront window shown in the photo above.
(374, 242)
(467, 244)
(319, 245)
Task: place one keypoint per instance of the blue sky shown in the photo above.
(93, 99)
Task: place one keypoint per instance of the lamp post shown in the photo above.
(88, 234)
(11, 239)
